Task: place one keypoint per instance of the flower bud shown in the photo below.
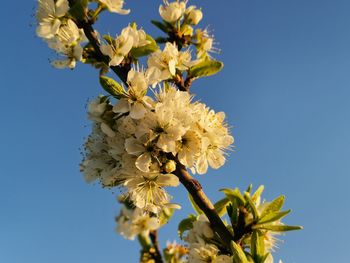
(170, 166)
(194, 16)
(171, 12)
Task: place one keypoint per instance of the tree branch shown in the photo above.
(203, 202)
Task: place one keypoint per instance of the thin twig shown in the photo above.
(154, 238)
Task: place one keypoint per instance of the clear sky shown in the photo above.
(285, 88)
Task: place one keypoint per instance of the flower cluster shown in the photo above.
(60, 32)
(119, 47)
(56, 26)
(133, 222)
(175, 11)
(201, 244)
(136, 141)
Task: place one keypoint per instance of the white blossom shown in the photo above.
(193, 15)
(132, 222)
(115, 6)
(170, 59)
(171, 12)
(49, 17)
(136, 102)
(118, 48)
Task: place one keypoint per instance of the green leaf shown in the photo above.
(185, 225)
(277, 228)
(194, 205)
(238, 253)
(232, 211)
(251, 205)
(112, 87)
(206, 68)
(257, 246)
(249, 189)
(273, 216)
(274, 206)
(257, 193)
(220, 206)
(145, 50)
(234, 195)
(79, 9)
(161, 26)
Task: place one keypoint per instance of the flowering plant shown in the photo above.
(148, 132)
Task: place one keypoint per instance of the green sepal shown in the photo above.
(79, 9)
(277, 228)
(238, 253)
(206, 68)
(234, 195)
(185, 225)
(274, 206)
(145, 50)
(194, 205)
(273, 216)
(166, 215)
(220, 206)
(112, 87)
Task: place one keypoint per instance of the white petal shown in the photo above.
(107, 130)
(133, 146)
(143, 162)
(168, 180)
(202, 164)
(122, 106)
(137, 111)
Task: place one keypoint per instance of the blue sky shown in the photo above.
(284, 88)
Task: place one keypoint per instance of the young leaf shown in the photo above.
(273, 216)
(257, 193)
(257, 246)
(234, 195)
(238, 253)
(112, 87)
(251, 205)
(161, 26)
(220, 206)
(206, 68)
(274, 206)
(145, 50)
(185, 225)
(194, 205)
(249, 189)
(277, 228)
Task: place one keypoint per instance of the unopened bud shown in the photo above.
(194, 15)
(170, 166)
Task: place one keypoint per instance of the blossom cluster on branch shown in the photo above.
(132, 140)
(148, 132)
